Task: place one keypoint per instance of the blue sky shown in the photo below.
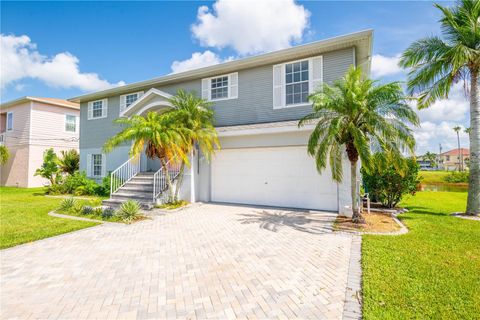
(100, 44)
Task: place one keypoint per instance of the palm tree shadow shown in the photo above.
(309, 222)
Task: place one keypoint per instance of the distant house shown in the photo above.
(450, 160)
(29, 126)
(425, 164)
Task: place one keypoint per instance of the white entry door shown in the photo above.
(276, 176)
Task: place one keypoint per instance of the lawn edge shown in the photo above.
(352, 308)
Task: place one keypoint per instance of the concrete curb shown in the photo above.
(66, 216)
(352, 309)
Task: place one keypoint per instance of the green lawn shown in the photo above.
(24, 218)
(433, 272)
(433, 176)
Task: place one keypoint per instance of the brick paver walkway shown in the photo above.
(208, 261)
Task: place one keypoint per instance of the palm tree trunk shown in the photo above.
(356, 214)
(473, 201)
(179, 180)
(169, 181)
(459, 152)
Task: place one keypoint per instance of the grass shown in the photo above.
(432, 272)
(433, 176)
(95, 202)
(24, 217)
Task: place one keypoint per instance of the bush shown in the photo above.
(386, 185)
(456, 177)
(67, 204)
(107, 213)
(79, 185)
(87, 210)
(77, 208)
(128, 211)
(104, 189)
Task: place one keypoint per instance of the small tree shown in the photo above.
(49, 169)
(4, 154)
(386, 184)
(69, 163)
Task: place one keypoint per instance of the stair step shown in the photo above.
(133, 196)
(115, 203)
(139, 183)
(137, 188)
(143, 177)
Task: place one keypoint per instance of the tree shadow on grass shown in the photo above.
(310, 222)
(424, 210)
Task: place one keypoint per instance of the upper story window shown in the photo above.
(70, 123)
(97, 109)
(221, 87)
(127, 100)
(9, 121)
(294, 81)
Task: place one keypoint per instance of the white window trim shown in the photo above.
(104, 109)
(6, 122)
(90, 164)
(65, 123)
(123, 97)
(310, 81)
(209, 80)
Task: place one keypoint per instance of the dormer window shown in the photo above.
(127, 100)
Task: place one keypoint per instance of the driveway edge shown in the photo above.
(352, 309)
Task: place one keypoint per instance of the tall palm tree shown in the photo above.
(195, 114)
(363, 117)
(436, 64)
(162, 136)
(459, 157)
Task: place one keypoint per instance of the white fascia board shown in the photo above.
(258, 131)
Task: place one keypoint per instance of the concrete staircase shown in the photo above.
(139, 188)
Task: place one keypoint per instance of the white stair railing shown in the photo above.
(160, 178)
(124, 173)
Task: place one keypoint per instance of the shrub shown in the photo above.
(69, 161)
(77, 208)
(67, 204)
(104, 189)
(456, 177)
(97, 212)
(49, 169)
(87, 210)
(128, 211)
(386, 185)
(107, 213)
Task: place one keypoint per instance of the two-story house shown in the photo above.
(257, 102)
(29, 126)
(454, 159)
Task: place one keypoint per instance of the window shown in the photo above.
(9, 121)
(97, 109)
(448, 158)
(219, 88)
(127, 100)
(97, 165)
(296, 82)
(70, 123)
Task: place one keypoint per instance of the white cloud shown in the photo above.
(251, 26)
(430, 135)
(385, 66)
(20, 59)
(198, 60)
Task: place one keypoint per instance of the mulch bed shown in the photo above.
(375, 222)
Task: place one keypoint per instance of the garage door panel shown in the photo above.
(280, 176)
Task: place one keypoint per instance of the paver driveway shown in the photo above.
(208, 261)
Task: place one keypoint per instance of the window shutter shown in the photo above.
(104, 107)
(278, 86)
(90, 110)
(123, 103)
(206, 89)
(233, 85)
(89, 165)
(104, 165)
(316, 74)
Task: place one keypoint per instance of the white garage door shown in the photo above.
(278, 176)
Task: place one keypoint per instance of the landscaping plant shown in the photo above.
(385, 184)
(457, 177)
(4, 154)
(357, 114)
(49, 169)
(128, 211)
(67, 204)
(87, 210)
(435, 64)
(107, 213)
(69, 162)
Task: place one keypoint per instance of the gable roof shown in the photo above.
(51, 101)
(455, 152)
(362, 41)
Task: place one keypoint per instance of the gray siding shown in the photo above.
(254, 103)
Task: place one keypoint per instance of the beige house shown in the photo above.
(451, 159)
(29, 126)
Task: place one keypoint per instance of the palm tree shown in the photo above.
(162, 136)
(194, 114)
(4, 154)
(69, 162)
(359, 115)
(436, 64)
(457, 130)
(431, 157)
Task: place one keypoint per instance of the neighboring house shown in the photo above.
(257, 102)
(28, 127)
(450, 160)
